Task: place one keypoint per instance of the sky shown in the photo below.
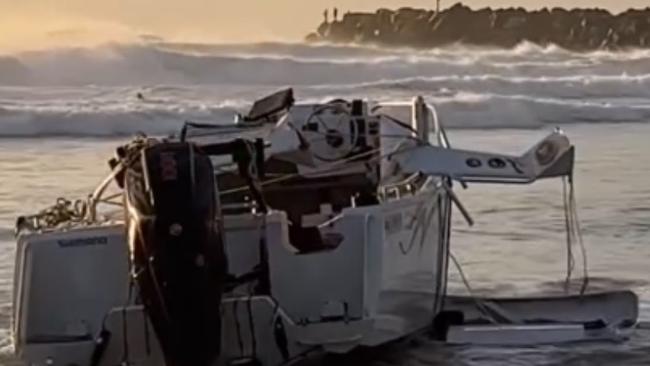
(28, 24)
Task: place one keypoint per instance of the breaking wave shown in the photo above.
(91, 91)
(296, 64)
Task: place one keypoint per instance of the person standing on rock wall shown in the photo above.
(336, 14)
(325, 16)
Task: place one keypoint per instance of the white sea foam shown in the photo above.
(91, 91)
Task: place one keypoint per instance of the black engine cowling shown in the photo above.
(177, 249)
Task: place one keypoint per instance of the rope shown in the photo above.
(569, 237)
(65, 211)
(240, 341)
(573, 234)
(251, 321)
(62, 211)
(332, 167)
(479, 305)
(422, 220)
(74, 212)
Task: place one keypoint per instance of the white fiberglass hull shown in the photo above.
(384, 281)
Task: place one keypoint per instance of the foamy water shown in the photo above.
(92, 92)
(63, 111)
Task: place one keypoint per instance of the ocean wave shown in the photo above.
(493, 111)
(325, 50)
(105, 122)
(296, 64)
(557, 86)
(165, 115)
(94, 91)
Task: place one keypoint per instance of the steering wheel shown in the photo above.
(338, 143)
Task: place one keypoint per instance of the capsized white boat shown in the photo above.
(300, 228)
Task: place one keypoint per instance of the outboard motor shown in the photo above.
(177, 248)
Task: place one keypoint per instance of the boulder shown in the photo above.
(313, 37)
(576, 29)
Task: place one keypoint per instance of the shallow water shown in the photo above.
(57, 134)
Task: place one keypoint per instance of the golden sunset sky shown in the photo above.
(26, 24)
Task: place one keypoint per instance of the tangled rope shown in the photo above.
(83, 211)
(63, 211)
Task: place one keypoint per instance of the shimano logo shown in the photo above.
(82, 242)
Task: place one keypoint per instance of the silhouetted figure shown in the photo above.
(325, 16)
(336, 14)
